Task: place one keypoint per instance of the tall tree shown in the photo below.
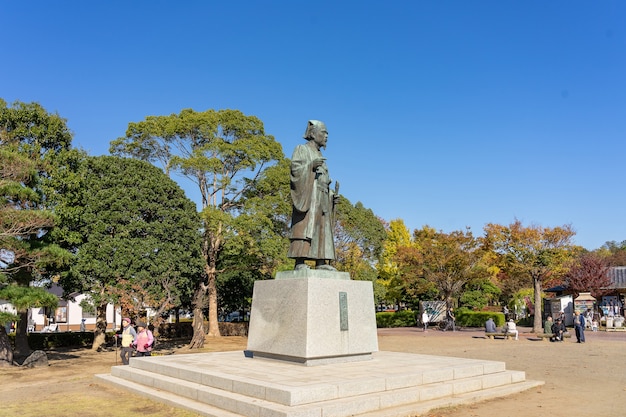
(259, 247)
(445, 261)
(31, 140)
(535, 252)
(224, 153)
(614, 252)
(134, 234)
(589, 273)
(20, 220)
(398, 236)
(359, 237)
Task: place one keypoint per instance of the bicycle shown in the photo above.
(447, 324)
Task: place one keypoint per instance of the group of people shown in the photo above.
(557, 328)
(134, 342)
(450, 322)
(509, 328)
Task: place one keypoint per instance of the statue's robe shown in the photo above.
(311, 223)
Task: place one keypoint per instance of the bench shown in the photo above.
(500, 334)
(546, 336)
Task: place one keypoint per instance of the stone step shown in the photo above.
(398, 403)
(424, 407)
(338, 407)
(283, 384)
(227, 384)
(164, 397)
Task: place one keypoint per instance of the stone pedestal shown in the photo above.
(313, 317)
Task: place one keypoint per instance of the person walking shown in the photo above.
(450, 320)
(579, 327)
(425, 320)
(144, 340)
(128, 336)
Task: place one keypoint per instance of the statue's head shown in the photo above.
(313, 127)
(316, 131)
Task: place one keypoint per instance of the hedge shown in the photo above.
(468, 318)
(403, 318)
(42, 341)
(53, 340)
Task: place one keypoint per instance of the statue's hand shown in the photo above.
(317, 163)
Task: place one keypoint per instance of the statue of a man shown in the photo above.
(311, 234)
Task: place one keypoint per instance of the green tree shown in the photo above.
(31, 140)
(20, 220)
(534, 252)
(224, 153)
(614, 252)
(24, 298)
(134, 235)
(398, 236)
(359, 237)
(479, 292)
(259, 247)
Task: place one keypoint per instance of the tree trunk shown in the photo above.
(214, 328)
(177, 329)
(22, 350)
(211, 248)
(6, 350)
(537, 324)
(99, 335)
(197, 341)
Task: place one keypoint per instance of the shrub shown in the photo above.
(234, 329)
(469, 318)
(42, 341)
(404, 318)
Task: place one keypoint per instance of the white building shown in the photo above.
(68, 316)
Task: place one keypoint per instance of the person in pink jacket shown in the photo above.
(144, 340)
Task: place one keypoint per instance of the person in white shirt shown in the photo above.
(510, 328)
(425, 320)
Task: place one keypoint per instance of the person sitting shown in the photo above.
(510, 328)
(490, 326)
(547, 325)
(558, 330)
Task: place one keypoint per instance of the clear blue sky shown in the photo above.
(446, 113)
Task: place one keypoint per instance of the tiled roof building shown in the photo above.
(618, 277)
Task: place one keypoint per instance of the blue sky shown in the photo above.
(446, 113)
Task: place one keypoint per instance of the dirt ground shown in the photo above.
(580, 379)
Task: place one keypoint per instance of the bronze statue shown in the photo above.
(311, 234)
